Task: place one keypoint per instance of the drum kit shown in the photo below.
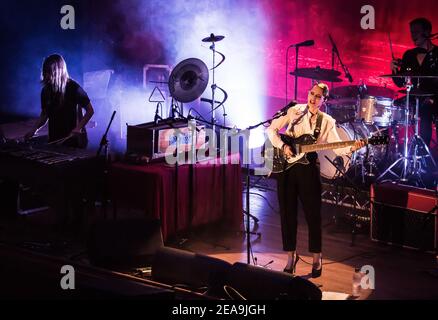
(363, 111)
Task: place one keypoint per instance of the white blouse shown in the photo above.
(305, 126)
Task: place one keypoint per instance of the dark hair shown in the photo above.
(423, 22)
(324, 88)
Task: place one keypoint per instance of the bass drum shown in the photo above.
(349, 131)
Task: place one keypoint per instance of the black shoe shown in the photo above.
(292, 270)
(316, 273)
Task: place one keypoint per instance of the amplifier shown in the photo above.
(154, 140)
(404, 216)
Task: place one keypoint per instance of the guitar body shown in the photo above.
(301, 146)
(280, 163)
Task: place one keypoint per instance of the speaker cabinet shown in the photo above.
(191, 270)
(257, 283)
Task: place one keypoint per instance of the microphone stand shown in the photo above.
(248, 211)
(297, 47)
(335, 51)
(104, 144)
(296, 67)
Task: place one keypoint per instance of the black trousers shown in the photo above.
(428, 114)
(301, 182)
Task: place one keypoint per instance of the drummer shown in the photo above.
(422, 60)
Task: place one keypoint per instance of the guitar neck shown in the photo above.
(326, 146)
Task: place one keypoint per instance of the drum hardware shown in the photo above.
(213, 38)
(215, 104)
(375, 110)
(411, 161)
(362, 90)
(317, 73)
(408, 75)
(188, 80)
(335, 51)
(362, 160)
(342, 178)
(417, 92)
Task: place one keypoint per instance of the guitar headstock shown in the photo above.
(378, 140)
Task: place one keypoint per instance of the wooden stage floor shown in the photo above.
(400, 273)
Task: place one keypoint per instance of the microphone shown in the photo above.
(209, 100)
(284, 110)
(306, 43)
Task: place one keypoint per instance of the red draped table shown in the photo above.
(205, 193)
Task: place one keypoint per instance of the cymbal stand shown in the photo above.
(213, 90)
(418, 142)
(404, 159)
(411, 166)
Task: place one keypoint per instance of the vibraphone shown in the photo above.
(59, 174)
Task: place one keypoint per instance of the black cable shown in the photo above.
(235, 292)
(197, 113)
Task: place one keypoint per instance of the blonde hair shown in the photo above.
(54, 74)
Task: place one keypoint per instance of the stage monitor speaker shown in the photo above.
(124, 243)
(257, 283)
(191, 270)
(404, 216)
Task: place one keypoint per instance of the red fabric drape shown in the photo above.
(206, 193)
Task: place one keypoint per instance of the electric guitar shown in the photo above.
(301, 146)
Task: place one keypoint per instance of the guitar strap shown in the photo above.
(295, 122)
(317, 130)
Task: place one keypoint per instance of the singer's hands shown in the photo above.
(287, 151)
(358, 144)
(29, 135)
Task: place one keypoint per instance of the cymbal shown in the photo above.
(213, 38)
(318, 74)
(418, 93)
(354, 91)
(407, 74)
(188, 80)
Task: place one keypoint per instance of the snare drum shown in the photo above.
(376, 110)
(349, 131)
